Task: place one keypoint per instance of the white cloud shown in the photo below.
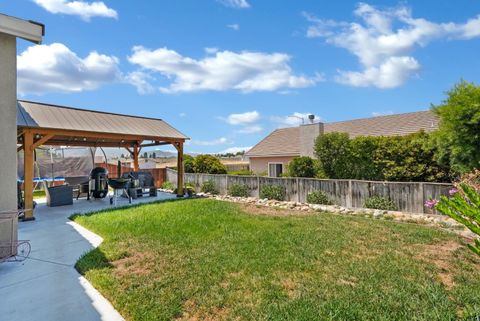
(226, 70)
(55, 68)
(235, 150)
(237, 4)
(243, 118)
(182, 115)
(389, 74)
(213, 142)
(84, 10)
(383, 40)
(234, 26)
(141, 81)
(254, 129)
(294, 119)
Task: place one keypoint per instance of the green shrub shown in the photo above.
(318, 197)
(208, 164)
(272, 192)
(168, 185)
(209, 187)
(302, 166)
(380, 203)
(239, 190)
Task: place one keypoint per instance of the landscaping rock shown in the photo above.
(428, 219)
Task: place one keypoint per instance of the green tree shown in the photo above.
(188, 164)
(364, 150)
(334, 153)
(302, 166)
(208, 164)
(457, 139)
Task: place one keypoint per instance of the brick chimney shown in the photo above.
(308, 134)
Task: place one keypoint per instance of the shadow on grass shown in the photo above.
(93, 260)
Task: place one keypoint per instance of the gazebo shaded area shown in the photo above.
(46, 124)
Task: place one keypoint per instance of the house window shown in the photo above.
(275, 169)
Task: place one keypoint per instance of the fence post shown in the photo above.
(226, 184)
(298, 190)
(422, 198)
(349, 200)
(258, 186)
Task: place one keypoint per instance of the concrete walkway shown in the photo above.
(46, 286)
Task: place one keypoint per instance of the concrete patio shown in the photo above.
(46, 286)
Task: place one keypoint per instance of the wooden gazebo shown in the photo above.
(46, 124)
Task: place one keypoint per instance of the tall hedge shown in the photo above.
(397, 158)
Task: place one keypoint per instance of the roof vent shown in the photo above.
(311, 118)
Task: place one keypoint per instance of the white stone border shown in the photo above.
(441, 221)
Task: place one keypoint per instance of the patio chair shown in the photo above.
(80, 185)
(58, 195)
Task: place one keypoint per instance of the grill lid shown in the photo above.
(97, 171)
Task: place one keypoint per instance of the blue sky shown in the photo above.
(228, 72)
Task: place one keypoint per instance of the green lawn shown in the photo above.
(38, 194)
(210, 260)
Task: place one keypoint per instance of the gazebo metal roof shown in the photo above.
(74, 126)
(46, 124)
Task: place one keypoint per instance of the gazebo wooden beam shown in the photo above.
(157, 143)
(86, 144)
(99, 135)
(41, 141)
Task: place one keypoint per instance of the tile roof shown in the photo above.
(280, 142)
(286, 141)
(389, 125)
(39, 115)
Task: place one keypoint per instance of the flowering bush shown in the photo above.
(463, 206)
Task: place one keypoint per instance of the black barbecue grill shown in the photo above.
(120, 188)
(142, 184)
(98, 182)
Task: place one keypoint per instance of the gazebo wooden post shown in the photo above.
(28, 150)
(135, 157)
(180, 169)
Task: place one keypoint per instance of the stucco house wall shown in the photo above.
(8, 137)
(260, 164)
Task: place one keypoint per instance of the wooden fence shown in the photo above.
(408, 196)
(159, 174)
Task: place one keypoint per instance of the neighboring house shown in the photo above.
(272, 154)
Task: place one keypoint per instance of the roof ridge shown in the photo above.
(381, 116)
